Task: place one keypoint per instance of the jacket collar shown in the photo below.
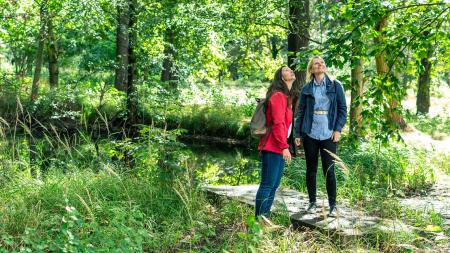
(308, 90)
(330, 85)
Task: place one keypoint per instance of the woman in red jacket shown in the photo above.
(273, 145)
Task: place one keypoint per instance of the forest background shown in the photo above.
(114, 114)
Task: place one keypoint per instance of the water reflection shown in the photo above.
(225, 165)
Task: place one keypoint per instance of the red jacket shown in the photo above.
(279, 115)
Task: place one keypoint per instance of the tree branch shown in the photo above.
(414, 5)
(272, 24)
(286, 28)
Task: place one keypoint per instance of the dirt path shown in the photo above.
(416, 138)
(437, 199)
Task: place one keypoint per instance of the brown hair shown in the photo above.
(278, 84)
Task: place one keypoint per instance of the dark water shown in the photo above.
(213, 164)
(226, 165)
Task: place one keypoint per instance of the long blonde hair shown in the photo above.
(309, 75)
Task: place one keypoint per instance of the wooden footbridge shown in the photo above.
(348, 222)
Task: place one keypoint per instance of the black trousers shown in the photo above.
(312, 148)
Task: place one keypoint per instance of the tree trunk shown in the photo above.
(423, 92)
(53, 68)
(122, 46)
(40, 53)
(168, 73)
(299, 22)
(383, 70)
(274, 46)
(132, 35)
(357, 84)
(380, 58)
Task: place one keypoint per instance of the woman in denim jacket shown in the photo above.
(321, 115)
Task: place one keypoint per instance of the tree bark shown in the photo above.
(132, 34)
(383, 70)
(274, 46)
(53, 68)
(299, 23)
(380, 58)
(357, 83)
(168, 73)
(423, 91)
(122, 46)
(40, 52)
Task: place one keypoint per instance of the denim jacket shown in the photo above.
(337, 113)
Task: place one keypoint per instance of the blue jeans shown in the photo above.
(272, 170)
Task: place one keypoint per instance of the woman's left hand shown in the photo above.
(286, 155)
(336, 136)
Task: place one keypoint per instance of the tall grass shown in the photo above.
(102, 211)
(85, 202)
(394, 169)
(101, 206)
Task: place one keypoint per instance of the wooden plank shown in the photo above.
(348, 222)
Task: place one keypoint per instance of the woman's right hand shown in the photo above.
(297, 141)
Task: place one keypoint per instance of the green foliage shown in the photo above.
(59, 105)
(394, 169)
(254, 234)
(96, 215)
(17, 26)
(99, 57)
(443, 161)
(214, 114)
(351, 35)
(10, 91)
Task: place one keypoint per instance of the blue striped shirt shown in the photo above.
(319, 130)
